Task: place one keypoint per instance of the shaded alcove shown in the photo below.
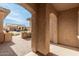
(53, 27)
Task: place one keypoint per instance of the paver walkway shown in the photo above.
(17, 47)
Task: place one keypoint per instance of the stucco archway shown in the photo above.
(29, 8)
(53, 28)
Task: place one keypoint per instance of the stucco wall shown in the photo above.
(52, 15)
(78, 27)
(53, 28)
(68, 27)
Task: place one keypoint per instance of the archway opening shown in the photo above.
(53, 28)
(17, 28)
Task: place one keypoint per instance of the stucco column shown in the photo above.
(78, 28)
(3, 14)
(43, 35)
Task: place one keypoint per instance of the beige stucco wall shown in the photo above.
(53, 28)
(68, 27)
(78, 27)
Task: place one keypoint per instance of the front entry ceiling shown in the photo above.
(64, 6)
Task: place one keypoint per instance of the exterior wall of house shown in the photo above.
(67, 27)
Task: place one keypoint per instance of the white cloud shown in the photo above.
(15, 19)
(15, 13)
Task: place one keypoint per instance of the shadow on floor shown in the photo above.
(6, 50)
(28, 39)
(49, 54)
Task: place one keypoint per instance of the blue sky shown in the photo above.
(18, 14)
